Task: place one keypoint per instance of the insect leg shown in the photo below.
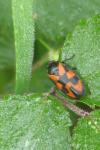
(52, 91)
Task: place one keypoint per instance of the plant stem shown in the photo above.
(24, 43)
(72, 107)
(44, 44)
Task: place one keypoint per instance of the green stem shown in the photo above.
(44, 44)
(24, 39)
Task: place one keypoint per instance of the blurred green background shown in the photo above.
(54, 20)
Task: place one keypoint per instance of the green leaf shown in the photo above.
(24, 39)
(40, 79)
(33, 122)
(7, 55)
(86, 135)
(54, 19)
(6, 36)
(85, 44)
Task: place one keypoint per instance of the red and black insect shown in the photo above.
(66, 79)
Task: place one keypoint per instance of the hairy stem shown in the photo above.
(72, 107)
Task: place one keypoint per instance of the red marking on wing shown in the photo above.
(79, 86)
(70, 74)
(54, 78)
(61, 69)
(59, 85)
(68, 91)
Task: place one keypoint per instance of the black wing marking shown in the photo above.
(63, 79)
(75, 79)
(75, 92)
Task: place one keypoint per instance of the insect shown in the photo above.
(66, 79)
